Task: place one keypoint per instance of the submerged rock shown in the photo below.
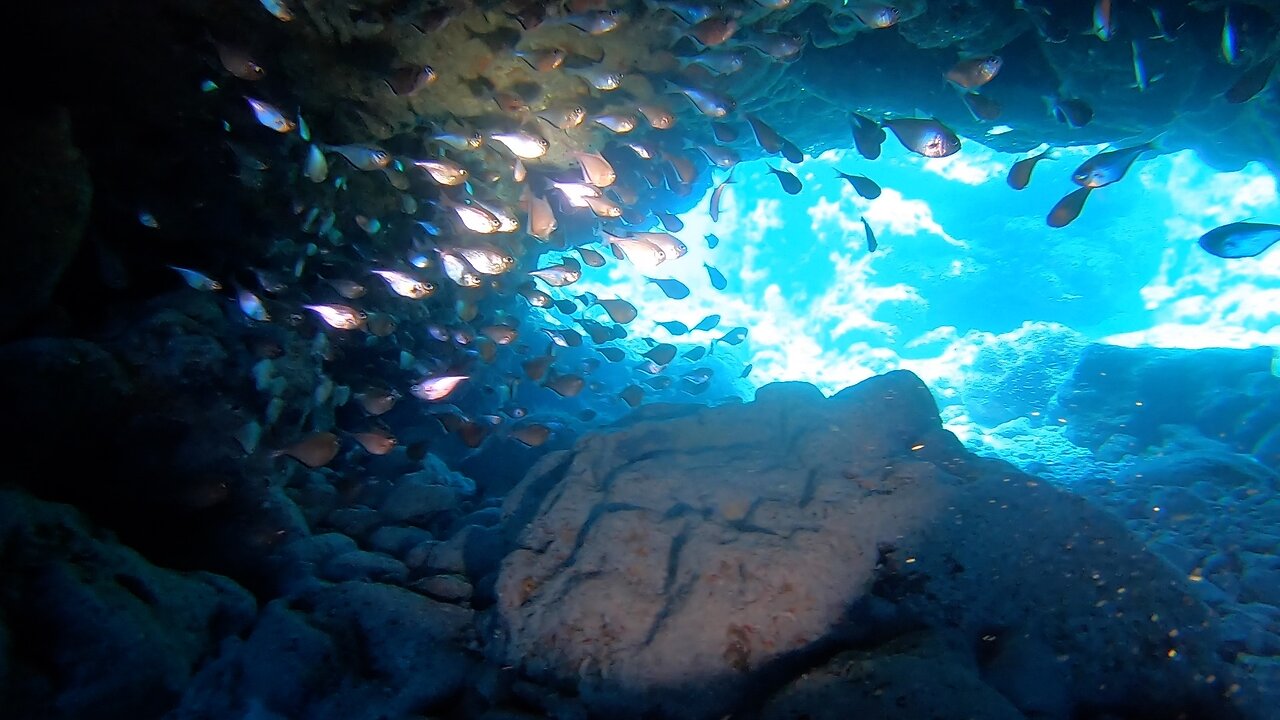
(694, 565)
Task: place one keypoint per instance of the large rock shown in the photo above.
(89, 629)
(693, 562)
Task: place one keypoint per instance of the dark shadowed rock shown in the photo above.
(694, 565)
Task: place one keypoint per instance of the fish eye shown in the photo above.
(508, 260)
(429, 287)
(362, 315)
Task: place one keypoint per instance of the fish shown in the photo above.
(671, 222)
(376, 401)
(612, 354)
(1141, 80)
(619, 123)
(1068, 208)
(543, 60)
(363, 157)
(929, 138)
(719, 61)
(863, 185)
(592, 22)
(314, 450)
(375, 442)
(712, 240)
(709, 102)
(632, 395)
(619, 310)
(458, 270)
(348, 289)
(500, 334)
(1162, 31)
(146, 219)
(317, 167)
(444, 172)
(661, 354)
(437, 388)
(659, 117)
(340, 317)
(459, 140)
(595, 169)
(1020, 174)
(1248, 85)
(473, 216)
(557, 275)
(407, 81)
(238, 62)
(485, 259)
(269, 115)
(1240, 239)
(641, 253)
(1108, 167)
(779, 46)
(591, 257)
(708, 323)
(522, 143)
(406, 286)
(671, 287)
(733, 337)
(1103, 24)
(278, 9)
(196, 279)
(972, 73)
(876, 16)
(542, 219)
(714, 207)
(1229, 44)
(603, 207)
(695, 354)
(868, 136)
(251, 305)
(982, 107)
(564, 118)
(531, 435)
(717, 278)
(675, 327)
(600, 78)
(770, 141)
(536, 368)
(714, 30)
(566, 386)
(791, 152)
(789, 182)
(1073, 112)
(871, 236)
(670, 245)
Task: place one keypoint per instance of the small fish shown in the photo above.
(929, 138)
(790, 183)
(404, 285)
(444, 172)
(1240, 239)
(1141, 80)
(304, 130)
(557, 275)
(1162, 30)
(670, 222)
(871, 236)
(278, 9)
(971, 73)
(717, 278)
(1108, 167)
(708, 323)
(595, 169)
(315, 450)
(473, 216)
(1068, 208)
(659, 118)
(982, 107)
(641, 253)
(459, 140)
(348, 289)
(619, 123)
(371, 226)
(733, 337)
(768, 138)
(714, 207)
(709, 103)
(603, 207)
(1230, 43)
(1103, 24)
(531, 435)
(317, 167)
(376, 401)
(712, 241)
(363, 157)
(661, 354)
(566, 386)
(714, 30)
(486, 259)
(375, 442)
(877, 15)
(698, 375)
(620, 311)
(542, 219)
(718, 61)
(695, 354)
(500, 334)
(1251, 82)
(197, 280)
(270, 116)
(671, 287)
(746, 370)
(251, 305)
(863, 185)
(409, 80)
(1020, 173)
(868, 136)
(436, 388)
(632, 395)
(670, 245)
(591, 257)
(522, 143)
(1073, 112)
(544, 60)
(612, 354)
(675, 327)
(592, 22)
(238, 62)
(779, 46)
(340, 317)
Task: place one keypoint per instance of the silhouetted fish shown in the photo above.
(862, 185)
(717, 278)
(790, 183)
(708, 323)
(1240, 239)
(868, 136)
(871, 237)
(1068, 208)
(926, 137)
(671, 287)
(1020, 173)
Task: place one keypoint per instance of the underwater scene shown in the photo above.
(642, 359)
